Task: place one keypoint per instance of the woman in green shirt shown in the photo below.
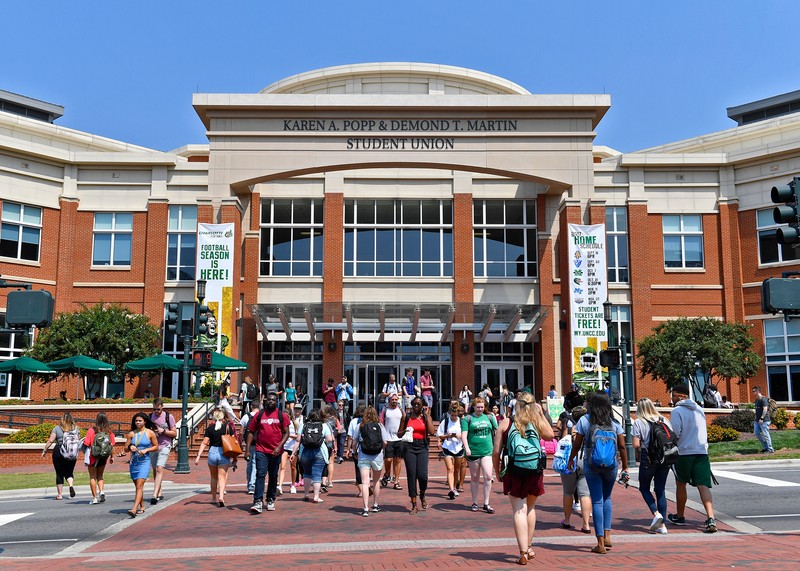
(477, 435)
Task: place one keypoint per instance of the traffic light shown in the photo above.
(201, 320)
(201, 358)
(187, 318)
(610, 358)
(171, 318)
(789, 212)
(781, 295)
(27, 307)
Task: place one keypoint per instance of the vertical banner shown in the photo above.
(215, 265)
(588, 290)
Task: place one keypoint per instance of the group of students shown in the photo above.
(149, 443)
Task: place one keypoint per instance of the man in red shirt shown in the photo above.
(269, 429)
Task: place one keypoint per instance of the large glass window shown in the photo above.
(505, 241)
(181, 243)
(683, 240)
(617, 244)
(782, 351)
(21, 231)
(291, 237)
(113, 232)
(398, 238)
(13, 385)
(769, 250)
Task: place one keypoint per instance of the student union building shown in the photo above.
(397, 215)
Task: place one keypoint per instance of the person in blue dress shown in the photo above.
(142, 441)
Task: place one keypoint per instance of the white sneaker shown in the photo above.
(576, 507)
(455, 492)
(270, 506)
(94, 501)
(658, 519)
(662, 530)
(280, 490)
(292, 490)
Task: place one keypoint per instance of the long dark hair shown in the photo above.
(315, 415)
(600, 408)
(147, 422)
(101, 423)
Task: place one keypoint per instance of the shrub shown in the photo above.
(781, 418)
(34, 434)
(739, 420)
(797, 421)
(716, 433)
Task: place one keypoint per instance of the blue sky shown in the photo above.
(127, 70)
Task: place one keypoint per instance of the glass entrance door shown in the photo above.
(497, 375)
(369, 382)
(302, 380)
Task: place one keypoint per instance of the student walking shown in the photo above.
(650, 472)
(67, 438)
(477, 434)
(165, 429)
(269, 430)
(142, 441)
(218, 463)
(689, 424)
(449, 433)
(99, 444)
(762, 421)
(416, 452)
(523, 486)
(601, 439)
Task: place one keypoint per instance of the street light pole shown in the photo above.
(188, 312)
(628, 388)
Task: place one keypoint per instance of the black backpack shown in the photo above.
(709, 399)
(312, 435)
(252, 392)
(371, 438)
(663, 447)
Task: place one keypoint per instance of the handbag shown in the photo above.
(230, 445)
(408, 436)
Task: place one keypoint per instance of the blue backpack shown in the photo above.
(525, 453)
(602, 443)
(561, 457)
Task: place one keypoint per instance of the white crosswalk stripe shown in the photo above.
(8, 518)
(759, 480)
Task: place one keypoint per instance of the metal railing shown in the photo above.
(23, 420)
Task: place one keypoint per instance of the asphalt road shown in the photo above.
(766, 496)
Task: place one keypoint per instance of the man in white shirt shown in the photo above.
(391, 417)
(390, 388)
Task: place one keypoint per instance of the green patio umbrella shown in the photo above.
(25, 365)
(220, 362)
(154, 363)
(80, 364)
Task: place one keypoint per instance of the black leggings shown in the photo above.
(358, 470)
(64, 468)
(416, 460)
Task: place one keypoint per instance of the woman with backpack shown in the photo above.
(573, 482)
(649, 472)
(601, 438)
(314, 453)
(370, 441)
(416, 451)
(67, 437)
(522, 486)
(142, 440)
(99, 444)
(449, 433)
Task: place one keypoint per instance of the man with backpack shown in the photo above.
(762, 421)
(166, 432)
(248, 395)
(389, 389)
(693, 467)
(269, 429)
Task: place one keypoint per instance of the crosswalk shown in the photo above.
(9, 518)
(752, 479)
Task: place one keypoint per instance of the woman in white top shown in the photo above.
(449, 432)
(465, 397)
(290, 448)
(646, 414)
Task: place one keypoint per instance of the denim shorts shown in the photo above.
(313, 463)
(216, 458)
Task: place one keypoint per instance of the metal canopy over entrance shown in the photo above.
(405, 322)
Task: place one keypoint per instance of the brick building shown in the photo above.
(390, 216)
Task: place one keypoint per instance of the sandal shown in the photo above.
(139, 512)
(132, 513)
(523, 558)
(598, 549)
(531, 552)
(565, 525)
(586, 530)
(397, 486)
(424, 503)
(413, 509)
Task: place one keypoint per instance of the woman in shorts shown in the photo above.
(314, 460)
(522, 490)
(289, 456)
(97, 466)
(477, 432)
(449, 433)
(574, 484)
(370, 462)
(218, 463)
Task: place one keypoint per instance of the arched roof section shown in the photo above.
(404, 78)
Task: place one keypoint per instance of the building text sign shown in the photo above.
(588, 283)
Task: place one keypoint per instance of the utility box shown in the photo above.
(28, 307)
(781, 295)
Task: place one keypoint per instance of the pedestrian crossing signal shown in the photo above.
(201, 359)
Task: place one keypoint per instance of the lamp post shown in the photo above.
(623, 370)
(201, 296)
(187, 313)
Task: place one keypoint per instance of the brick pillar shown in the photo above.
(570, 214)
(66, 244)
(332, 288)
(463, 291)
(544, 362)
(155, 261)
(251, 349)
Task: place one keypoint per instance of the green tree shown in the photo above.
(704, 349)
(110, 333)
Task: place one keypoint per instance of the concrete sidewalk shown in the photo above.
(187, 532)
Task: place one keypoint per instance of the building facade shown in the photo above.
(396, 216)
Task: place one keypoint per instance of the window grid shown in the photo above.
(113, 232)
(291, 237)
(769, 250)
(505, 238)
(398, 238)
(21, 231)
(782, 351)
(182, 243)
(683, 240)
(617, 244)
